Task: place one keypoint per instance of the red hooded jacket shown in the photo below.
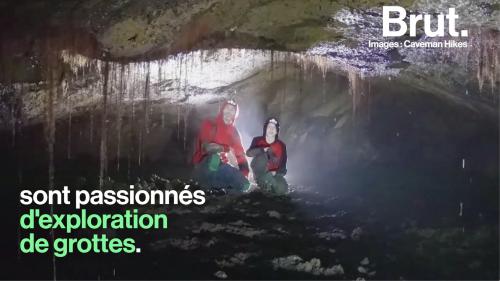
(216, 131)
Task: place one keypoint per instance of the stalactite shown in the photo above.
(15, 105)
(119, 109)
(272, 65)
(285, 79)
(191, 61)
(178, 122)
(91, 129)
(132, 96)
(311, 72)
(324, 86)
(69, 106)
(354, 92)
(13, 124)
(160, 78)
(19, 153)
(487, 68)
(147, 101)
(301, 77)
(103, 146)
(131, 145)
(145, 126)
(306, 69)
(369, 101)
(253, 61)
(202, 57)
(50, 130)
(185, 121)
(19, 135)
(139, 150)
(179, 83)
(480, 79)
(185, 88)
(141, 128)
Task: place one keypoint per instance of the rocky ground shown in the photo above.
(304, 235)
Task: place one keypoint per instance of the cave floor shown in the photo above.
(304, 235)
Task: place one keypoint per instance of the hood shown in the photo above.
(219, 117)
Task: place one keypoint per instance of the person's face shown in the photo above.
(228, 114)
(271, 131)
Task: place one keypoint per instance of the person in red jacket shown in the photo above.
(269, 159)
(216, 140)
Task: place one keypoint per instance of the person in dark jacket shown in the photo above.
(216, 140)
(269, 159)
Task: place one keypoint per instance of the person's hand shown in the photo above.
(214, 147)
(270, 152)
(217, 146)
(273, 173)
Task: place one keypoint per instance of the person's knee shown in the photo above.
(234, 178)
(280, 189)
(259, 164)
(281, 180)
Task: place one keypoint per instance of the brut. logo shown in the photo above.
(401, 26)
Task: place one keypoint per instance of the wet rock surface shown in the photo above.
(335, 30)
(232, 236)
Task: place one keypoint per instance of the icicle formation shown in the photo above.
(354, 90)
(51, 72)
(120, 95)
(13, 124)
(308, 62)
(272, 65)
(169, 80)
(178, 122)
(285, 74)
(145, 126)
(103, 144)
(147, 100)
(67, 97)
(487, 53)
(185, 121)
(359, 90)
(19, 116)
(16, 113)
(50, 127)
(91, 126)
